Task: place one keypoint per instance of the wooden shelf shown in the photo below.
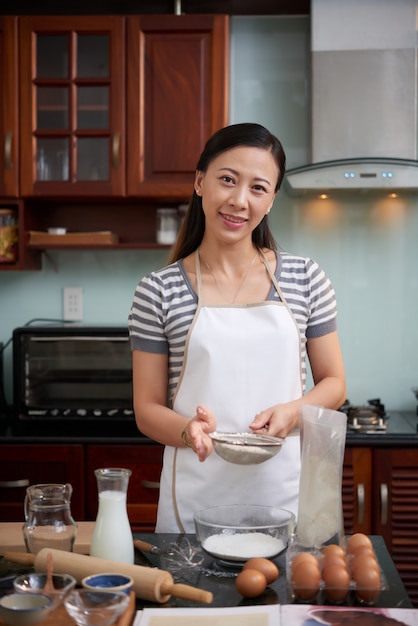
(119, 246)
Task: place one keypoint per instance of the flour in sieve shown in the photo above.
(245, 455)
(241, 546)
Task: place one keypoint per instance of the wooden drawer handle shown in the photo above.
(116, 149)
(8, 150)
(360, 503)
(12, 484)
(383, 504)
(150, 484)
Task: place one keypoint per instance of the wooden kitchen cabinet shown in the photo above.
(177, 96)
(72, 86)
(115, 111)
(145, 462)
(83, 106)
(395, 497)
(9, 107)
(22, 465)
(357, 490)
(380, 497)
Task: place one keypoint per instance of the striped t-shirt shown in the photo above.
(165, 303)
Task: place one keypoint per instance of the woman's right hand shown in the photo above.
(198, 429)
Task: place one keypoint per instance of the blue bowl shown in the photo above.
(108, 582)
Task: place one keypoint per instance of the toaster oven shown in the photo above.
(73, 380)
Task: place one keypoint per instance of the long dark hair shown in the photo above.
(233, 136)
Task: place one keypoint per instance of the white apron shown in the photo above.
(239, 360)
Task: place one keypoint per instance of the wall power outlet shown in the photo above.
(73, 304)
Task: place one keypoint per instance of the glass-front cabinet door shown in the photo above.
(72, 72)
(9, 107)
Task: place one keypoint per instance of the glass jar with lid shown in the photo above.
(167, 226)
(8, 235)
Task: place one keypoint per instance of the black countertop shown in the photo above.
(402, 430)
(220, 579)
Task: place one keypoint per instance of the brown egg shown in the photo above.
(356, 540)
(250, 583)
(265, 566)
(337, 582)
(332, 559)
(361, 548)
(305, 579)
(363, 561)
(333, 549)
(368, 584)
(301, 557)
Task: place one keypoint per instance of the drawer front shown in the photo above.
(24, 465)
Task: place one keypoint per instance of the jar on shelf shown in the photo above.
(8, 236)
(167, 226)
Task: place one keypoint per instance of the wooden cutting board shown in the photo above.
(60, 617)
(11, 537)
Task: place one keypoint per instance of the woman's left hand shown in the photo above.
(277, 421)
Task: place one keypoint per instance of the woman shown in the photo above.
(226, 328)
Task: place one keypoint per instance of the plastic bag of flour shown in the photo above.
(320, 515)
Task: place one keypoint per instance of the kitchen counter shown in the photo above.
(220, 579)
(402, 430)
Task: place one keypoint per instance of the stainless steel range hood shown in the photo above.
(363, 98)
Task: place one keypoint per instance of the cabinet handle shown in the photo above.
(116, 149)
(150, 484)
(8, 150)
(383, 504)
(12, 484)
(360, 503)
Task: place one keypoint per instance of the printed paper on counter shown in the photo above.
(236, 616)
(310, 615)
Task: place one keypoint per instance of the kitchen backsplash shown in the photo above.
(366, 244)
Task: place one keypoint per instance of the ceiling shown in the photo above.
(124, 7)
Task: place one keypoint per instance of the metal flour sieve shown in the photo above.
(245, 448)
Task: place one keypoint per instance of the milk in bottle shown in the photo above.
(112, 535)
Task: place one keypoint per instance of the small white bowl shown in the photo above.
(108, 582)
(57, 231)
(35, 583)
(90, 607)
(20, 609)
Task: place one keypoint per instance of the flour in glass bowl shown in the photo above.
(242, 546)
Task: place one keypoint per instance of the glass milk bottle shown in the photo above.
(112, 536)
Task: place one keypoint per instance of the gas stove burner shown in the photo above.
(368, 418)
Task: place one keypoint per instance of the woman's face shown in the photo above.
(237, 191)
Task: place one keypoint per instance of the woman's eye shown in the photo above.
(260, 188)
(227, 179)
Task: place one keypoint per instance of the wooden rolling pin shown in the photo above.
(151, 584)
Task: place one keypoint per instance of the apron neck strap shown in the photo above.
(198, 276)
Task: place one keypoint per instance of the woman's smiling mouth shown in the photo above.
(233, 219)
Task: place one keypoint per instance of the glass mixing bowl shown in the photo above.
(238, 532)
